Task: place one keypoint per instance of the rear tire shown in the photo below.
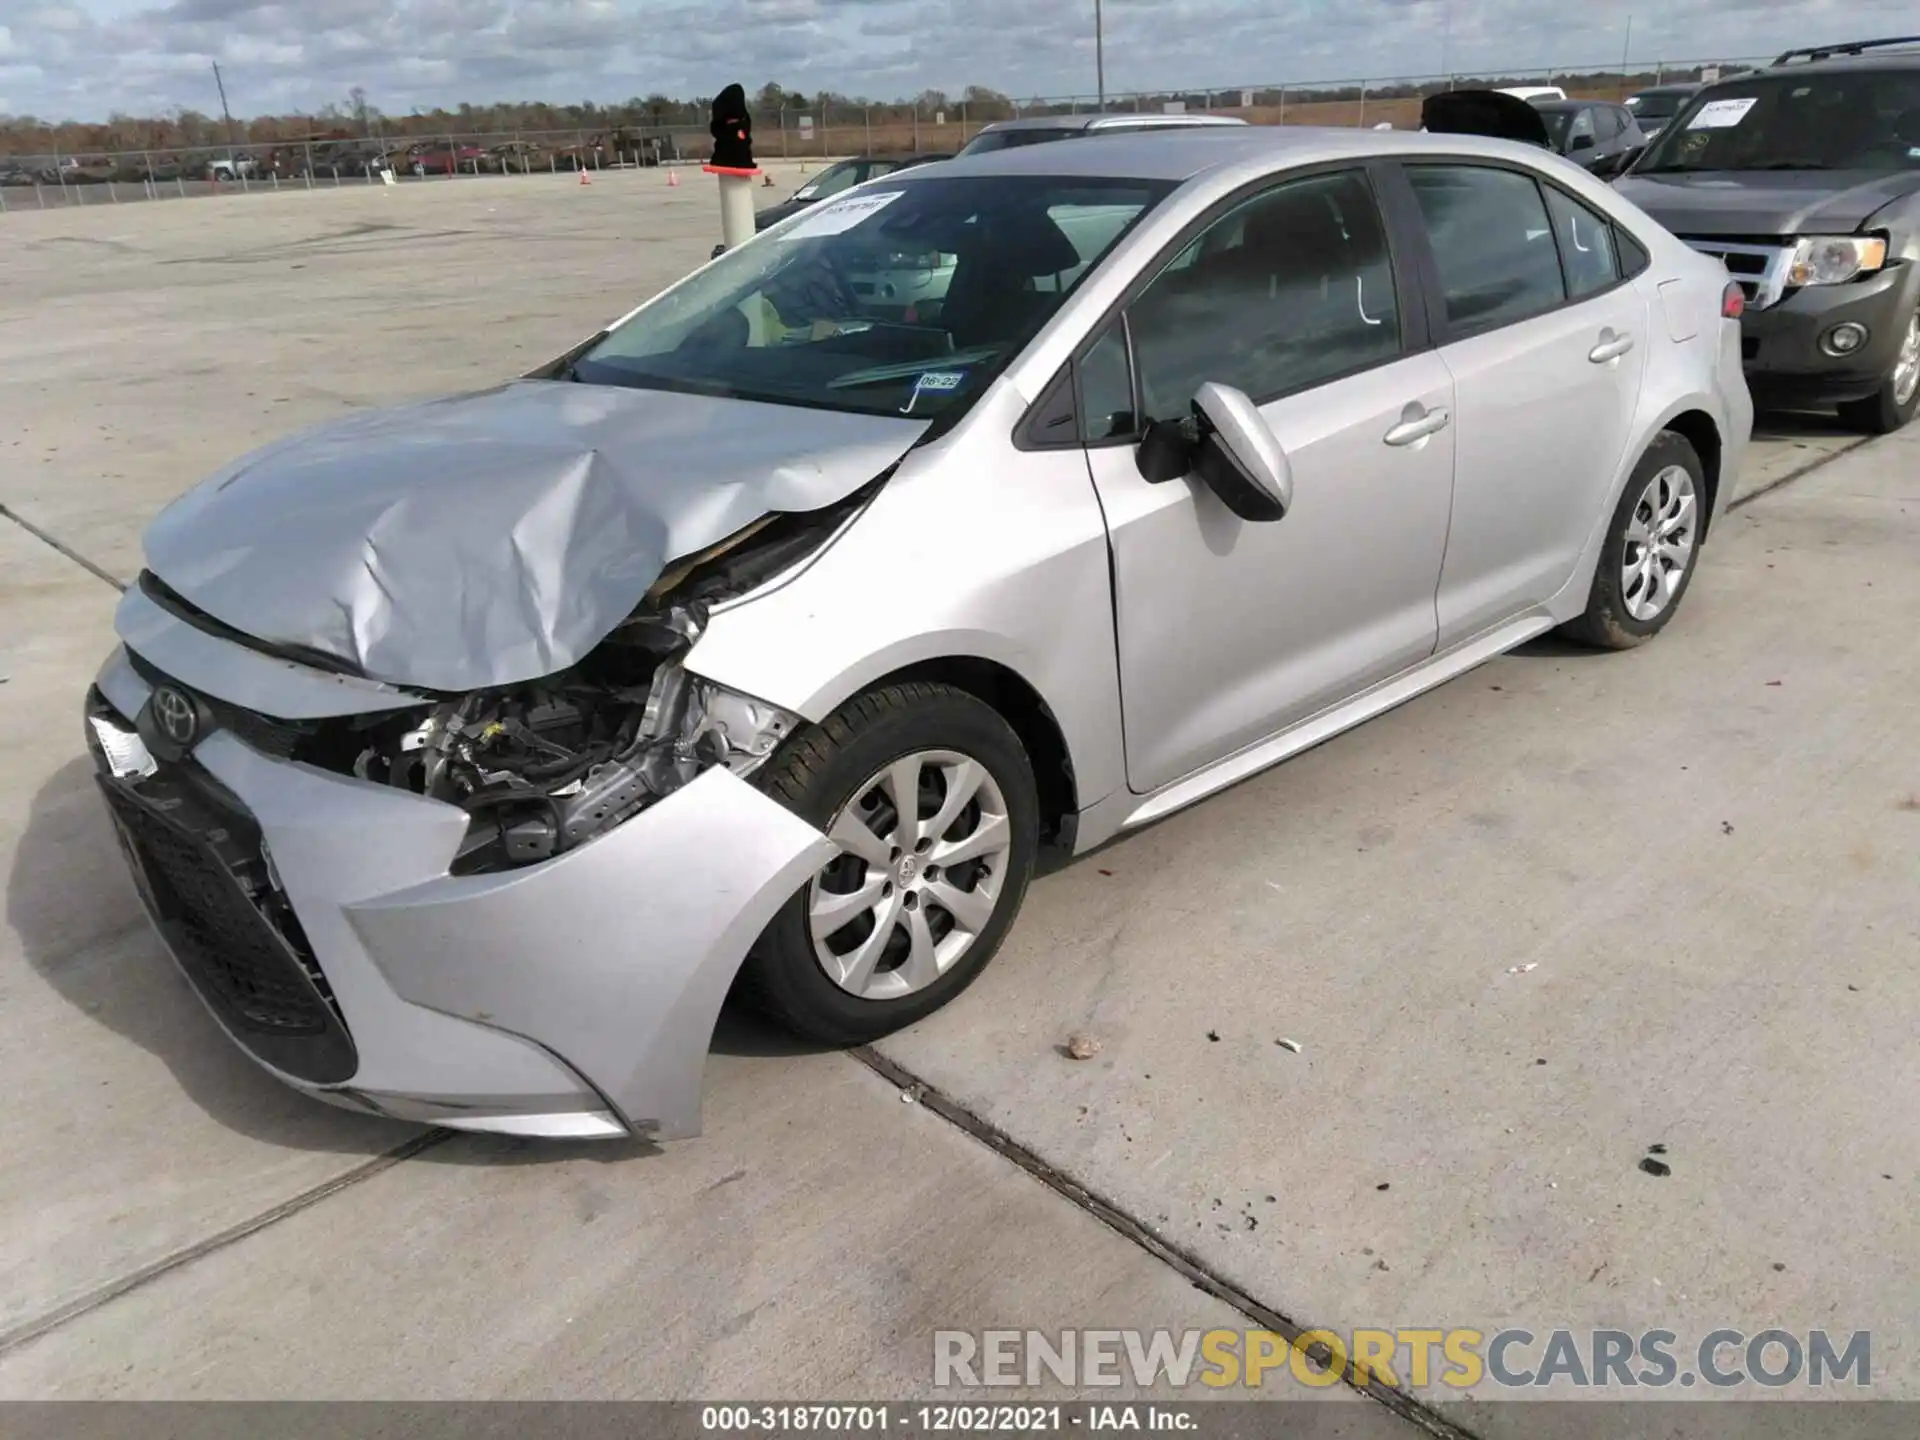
(1651, 550)
(1891, 406)
(894, 927)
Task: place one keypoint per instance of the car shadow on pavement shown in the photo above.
(82, 931)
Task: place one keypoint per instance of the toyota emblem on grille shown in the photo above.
(176, 716)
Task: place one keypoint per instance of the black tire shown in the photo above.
(1607, 623)
(1882, 413)
(816, 773)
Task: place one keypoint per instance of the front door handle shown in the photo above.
(1416, 428)
(1611, 347)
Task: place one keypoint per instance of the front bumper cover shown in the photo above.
(1780, 345)
(576, 997)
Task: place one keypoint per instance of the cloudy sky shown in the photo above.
(80, 59)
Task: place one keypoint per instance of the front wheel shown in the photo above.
(930, 797)
(1891, 406)
(1647, 561)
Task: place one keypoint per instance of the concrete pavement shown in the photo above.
(1699, 861)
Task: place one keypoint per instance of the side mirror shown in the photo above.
(1228, 447)
(1579, 142)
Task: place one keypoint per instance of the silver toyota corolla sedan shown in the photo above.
(467, 755)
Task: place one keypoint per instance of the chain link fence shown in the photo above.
(53, 179)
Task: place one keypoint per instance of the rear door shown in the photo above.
(1546, 342)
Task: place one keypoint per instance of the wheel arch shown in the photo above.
(1021, 705)
(1700, 430)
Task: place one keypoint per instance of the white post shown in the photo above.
(736, 210)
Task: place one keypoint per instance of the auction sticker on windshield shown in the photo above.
(841, 215)
(1721, 114)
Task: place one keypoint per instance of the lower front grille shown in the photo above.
(203, 878)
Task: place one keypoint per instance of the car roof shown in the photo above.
(1179, 153)
(1110, 121)
(1554, 107)
(1682, 88)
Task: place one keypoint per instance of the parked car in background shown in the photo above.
(339, 159)
(841, 176)
(1006, 134)
(1653, 107)
(1592, 133)
(233, 167)
(445, 159)
(515, 157)
(1804, 179)
(641, 700)
(12, 173)
(1534, 92)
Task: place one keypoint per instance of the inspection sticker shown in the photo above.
(842, 215)
(934, 382)
(1722, 114)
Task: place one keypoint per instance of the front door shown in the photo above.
(1229, 630)
(1547, 342)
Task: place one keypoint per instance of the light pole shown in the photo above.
(1099, 56)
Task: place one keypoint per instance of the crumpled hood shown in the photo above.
(1760, 203)
(495, 538)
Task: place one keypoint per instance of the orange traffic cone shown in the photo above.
(583, 177)
(673, 179)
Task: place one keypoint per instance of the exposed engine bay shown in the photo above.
(547, 766)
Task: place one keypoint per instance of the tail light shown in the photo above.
(1733, 301)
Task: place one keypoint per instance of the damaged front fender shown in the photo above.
(616, 956)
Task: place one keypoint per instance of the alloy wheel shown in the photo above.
(1659, 543)
(924, 850)
(1906, 366)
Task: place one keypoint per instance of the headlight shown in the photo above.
(1835, 259)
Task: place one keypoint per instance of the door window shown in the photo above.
(1492, 243)
(1606, 122)
(1586, 245)
(1106, 389)
(1287, 291)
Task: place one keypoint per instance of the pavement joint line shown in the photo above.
(30, 1330)
(1819, 461)
(65, 549)
(1196, 1272)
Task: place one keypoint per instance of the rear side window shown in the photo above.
(1633, 255)
(1586, 245)
(1492, 242)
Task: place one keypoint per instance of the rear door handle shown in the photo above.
(1418, 428)
(1611, 347)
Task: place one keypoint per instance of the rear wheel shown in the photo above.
(1894, 403)
(930, 797)
(1647, 561)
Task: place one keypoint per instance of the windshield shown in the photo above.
(1006, 139)
(1657, 106)
(1840, 120)
(903, 297)
(831, 181)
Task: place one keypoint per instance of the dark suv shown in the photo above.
(1804, 177)
(1594, 134)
